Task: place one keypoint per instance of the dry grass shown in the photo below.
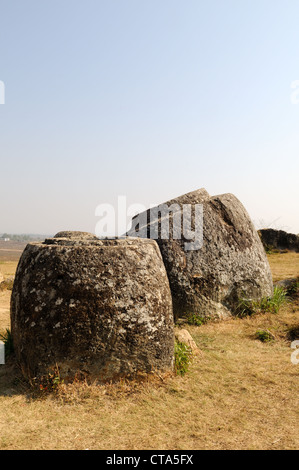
(7, 269)
(11, 251)
(4, 309)
(284, 265)
(239, 394)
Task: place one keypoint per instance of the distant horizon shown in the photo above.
(52, 234)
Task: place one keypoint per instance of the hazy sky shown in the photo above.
(147, 99)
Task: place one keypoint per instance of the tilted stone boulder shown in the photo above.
(98, 307)
(183, 336)
(279, 239)
(230, 263)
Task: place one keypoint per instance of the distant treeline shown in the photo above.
(23, 237)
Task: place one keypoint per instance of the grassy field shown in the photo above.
(11, 251)
(240, 393)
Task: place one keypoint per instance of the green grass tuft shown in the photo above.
(265, 336)
(196, 319)
(183, 358)
(272, 304)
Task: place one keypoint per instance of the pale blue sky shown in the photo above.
(148, 99)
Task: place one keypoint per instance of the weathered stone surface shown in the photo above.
(231, 263)
(98, 307)
(74, 234)
(287, 283)
(279, 239)
(183, 336)
(290, 286)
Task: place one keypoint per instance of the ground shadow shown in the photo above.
(11, 380)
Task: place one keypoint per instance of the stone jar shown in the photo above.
(230, 262)
(101, 308)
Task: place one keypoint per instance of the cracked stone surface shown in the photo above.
(101, 308)
(231, 262)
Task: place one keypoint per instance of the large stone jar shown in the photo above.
(230, 262)
(101, 308)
